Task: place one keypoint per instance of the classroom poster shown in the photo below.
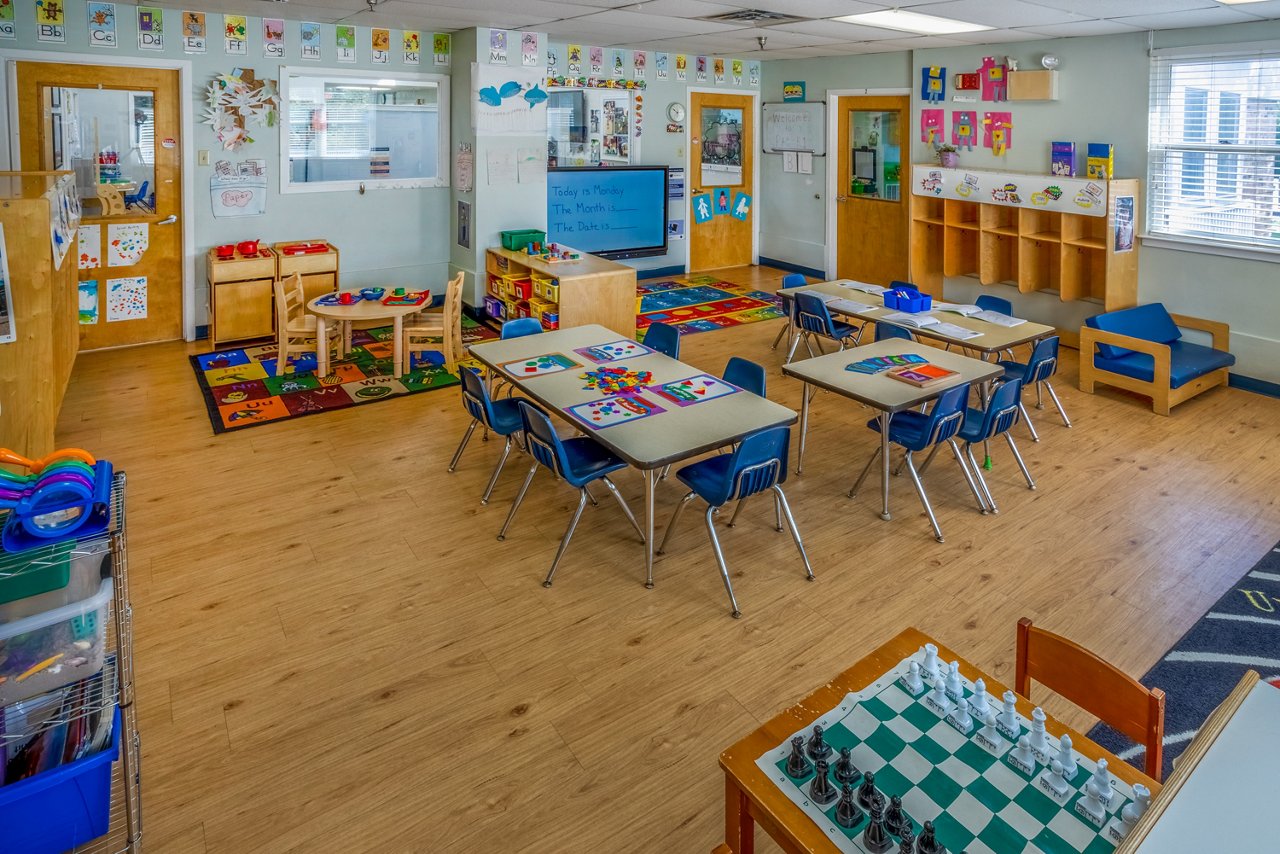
(89, 246)
(87, 294)
(344, 37)
(639, 59)
(753, 73)
(675, 229)
(1124, 224)
(194, 34)
(412, 40)
(682, 66)
(309, 36)
(102, 24)
(701, 204)
(273, 38)
(441, 45)
(498, 47)
(553, 62)
(700, 69)
(737, 72)
(235, 32)
(595, 57)
(50, 21)
(126, 243)
(575, 59)
(380, 43)
(150, 28)
(127, 299)
(529, 49)
(509, 100)
(7, 30)
(722, 201)
(741, 206)
(7, 317)
(660, 63)
(719, 69)
(619, 66)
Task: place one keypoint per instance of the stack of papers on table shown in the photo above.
(902, 318)
(998, 319)
(848, 306)
(963, 310)
(825, 298)
(861, 286)
(950, 330)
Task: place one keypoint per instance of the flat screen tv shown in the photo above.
(613, 212)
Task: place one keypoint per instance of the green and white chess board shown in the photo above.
(978, 800)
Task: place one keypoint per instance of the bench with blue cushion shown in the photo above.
(1141, 349)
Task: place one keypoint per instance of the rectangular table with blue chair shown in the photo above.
(787, 295)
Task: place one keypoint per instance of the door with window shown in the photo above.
(872, 214)
(119, 129)
(722, 198)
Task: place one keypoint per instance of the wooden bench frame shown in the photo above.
(1162, 396)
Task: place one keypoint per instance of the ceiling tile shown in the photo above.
(1083, 28)
(622, 21)
(921, 42)
(998, 13)
(687, 8)
(1114, 8)
(842, 30)
(995, 37)
(1192, 18)
(815, 8)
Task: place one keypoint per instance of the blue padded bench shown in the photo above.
(1141, 349)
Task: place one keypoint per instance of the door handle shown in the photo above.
(169, 220)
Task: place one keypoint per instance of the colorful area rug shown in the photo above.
(1241, 632)
(702, 303)
(241, 389)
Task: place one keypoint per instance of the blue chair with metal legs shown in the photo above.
(919, 431)
(1042, 365)
(578, 462)
(791, 280)
(745, 374)
(663, 338)
(758, 464)
(886, 330)
(138, 199)
(814, 322)
(520, 327)
(996, 420)
(500, 416)
(1000, 305)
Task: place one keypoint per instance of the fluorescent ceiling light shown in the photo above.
(913, 22)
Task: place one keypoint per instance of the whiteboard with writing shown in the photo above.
(795, 127)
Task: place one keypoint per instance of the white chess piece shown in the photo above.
(1141, 800)
(1022, 754)
(955, 688)
(939, 697)
(961, 715)
(1102, 776)
(1067, 757)
(913, 681)
(930, 667)
(989, 731)
(1009, 717)
(1055, 779)
(978, 702)
(1039, 738)
(1092, 802)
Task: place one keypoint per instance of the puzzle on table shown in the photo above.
(613, 351)
(697, 389)
(599, 414)
(921, 751)
(538, 365)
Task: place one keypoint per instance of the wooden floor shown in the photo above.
(335, 654)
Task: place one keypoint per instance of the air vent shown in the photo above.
(756, 17)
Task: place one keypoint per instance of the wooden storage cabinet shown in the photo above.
(319, 271)
(241, 296)
(589, 290)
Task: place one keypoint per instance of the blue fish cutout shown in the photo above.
(535, 96)
(490, 96)
(509, 89)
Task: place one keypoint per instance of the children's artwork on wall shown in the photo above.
(235, 32)
(195, 33)
(238, 191)
(102, 24)
(380, 44)
(273, 38)
(441, 46)
(510, 101)
(931, 125)
(464, 168)
(722, 201)
(127, 299)
(933, 84)
(89, 249)
(51, 21)
(498, 47)
(741, 206)
(595, 57)
(702, 211)
(529, 49)
(88, 302)
(995, 80)
(126, 243)
(411, 40)
(237, 102)
(997, 132)
(964, 129)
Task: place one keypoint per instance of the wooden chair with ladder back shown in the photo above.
(1099, 688)
(429, 330)
(295, 328)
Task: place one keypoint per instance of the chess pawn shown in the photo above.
(1092, 802)
(817, 746)
(847, 812)
(1039, 738)
(912, 680)
(1133, 810)
(894, 818)
(906, 842)
(820, 790)
(1055, 779)
(1067, 757)
(875, 838)
(797, 765)
(928, 841)
(867, 791)
(1009, 715)
(1022, 754)
(931, 664)
(939, 696)
(989, 731)
(846, 771)
(963, 720)
(978, 703)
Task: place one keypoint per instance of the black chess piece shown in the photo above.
(846, 771)
(847, 812)
(867, 791)
(818, 747)
(907, 842)
(895, 818)
(875, 838)
(928, 842)
(820, 790)
(797, 765)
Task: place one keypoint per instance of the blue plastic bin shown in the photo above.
(60, 809)
(906, 299)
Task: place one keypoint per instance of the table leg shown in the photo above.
(650, 476)
(804, 427)
(984, 394)
(397, 346)
(322, 348)
(739, 828)
(346, 338)
(884, 464)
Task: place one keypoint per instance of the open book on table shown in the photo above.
(915, 321)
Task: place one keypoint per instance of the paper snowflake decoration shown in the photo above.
(237, 102)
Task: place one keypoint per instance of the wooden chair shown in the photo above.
(1093, 685)
(424, 330)
(295, 328)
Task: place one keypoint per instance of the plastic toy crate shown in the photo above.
(78, 566)
(76, 632)
(494, 286)
(518, 239)
(540, 308)
(909, 300)
(522, 289)
(548, 289)
(61, 808)
(551, 320)
(495, 308)
(522, 309)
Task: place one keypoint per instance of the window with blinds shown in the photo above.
(1214, 149)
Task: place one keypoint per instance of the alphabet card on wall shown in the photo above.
(933, 83)
(344, 36)
(273, 38)
(498, 47)
(51, 21)
(7, 28)
(195, 34)
(995, 79)
(441, 46)
(380, 43)
(235, 31)
(102, 24)
(596, 58)
(150, 28)
(700, 69)
(997, 132)
(412, 41)
(964, 129)
(931, 125)
(529, 49)
(639, 59)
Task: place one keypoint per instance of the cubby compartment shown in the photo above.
(1039, 264)
(999, 258)
(1090, 231)
(928, 209)
(927, 255)
(960, 252)
(1041, 225)
(999, 219)
(1084, 273)
(961, 214)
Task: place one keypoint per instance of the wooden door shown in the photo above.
(722, 148)
(68, 115)
(873, 189)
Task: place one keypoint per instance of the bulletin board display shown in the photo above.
(795, 127)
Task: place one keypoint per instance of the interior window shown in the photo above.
(591, 127)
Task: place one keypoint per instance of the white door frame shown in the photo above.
(10, 144)
(688, 167)
(833, 159)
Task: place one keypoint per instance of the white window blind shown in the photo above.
(1214, 149)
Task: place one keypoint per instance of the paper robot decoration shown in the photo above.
(931, 126)
(964, 129)
(998, 132)
(933, 83)
(995, 80)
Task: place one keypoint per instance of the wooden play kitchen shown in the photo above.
(242, 277)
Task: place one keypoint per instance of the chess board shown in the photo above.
(979, 802)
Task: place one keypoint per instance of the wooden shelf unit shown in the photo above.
(591, 289)
(241, 296)
(319, 270)
(1036, 250)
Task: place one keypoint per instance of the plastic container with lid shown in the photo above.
(53, 648)
(61, 575)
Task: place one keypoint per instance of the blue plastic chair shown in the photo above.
(814, 323)
(663, 338)
(138, 198)
(791, 280)
(758, 464)
(745, 374)
(996, 420)
(1042, 365)
(520, 327)
(578, 462)
(500, 416)
(986, 302)
(919, 431)
(886, 330)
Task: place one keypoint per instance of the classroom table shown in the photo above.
(362, 309)
(649, 444)
(994, 338)
(751, 797)
(880, 391)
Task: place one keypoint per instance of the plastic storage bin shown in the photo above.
(909, 300)
(54, 648)
(62, 808)
(78, 567)
(494, 308)
(518, 239)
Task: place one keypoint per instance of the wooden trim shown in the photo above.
(1221, 332)
(1163, 398)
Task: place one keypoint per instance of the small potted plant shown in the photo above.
(948, 155)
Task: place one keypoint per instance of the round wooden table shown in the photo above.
(362, 310)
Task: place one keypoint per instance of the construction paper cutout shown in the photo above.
(931, 122)
(702, 208)
(741, 206)
(997, 132)
(964, 129)
(933, 83)
(995, 80)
